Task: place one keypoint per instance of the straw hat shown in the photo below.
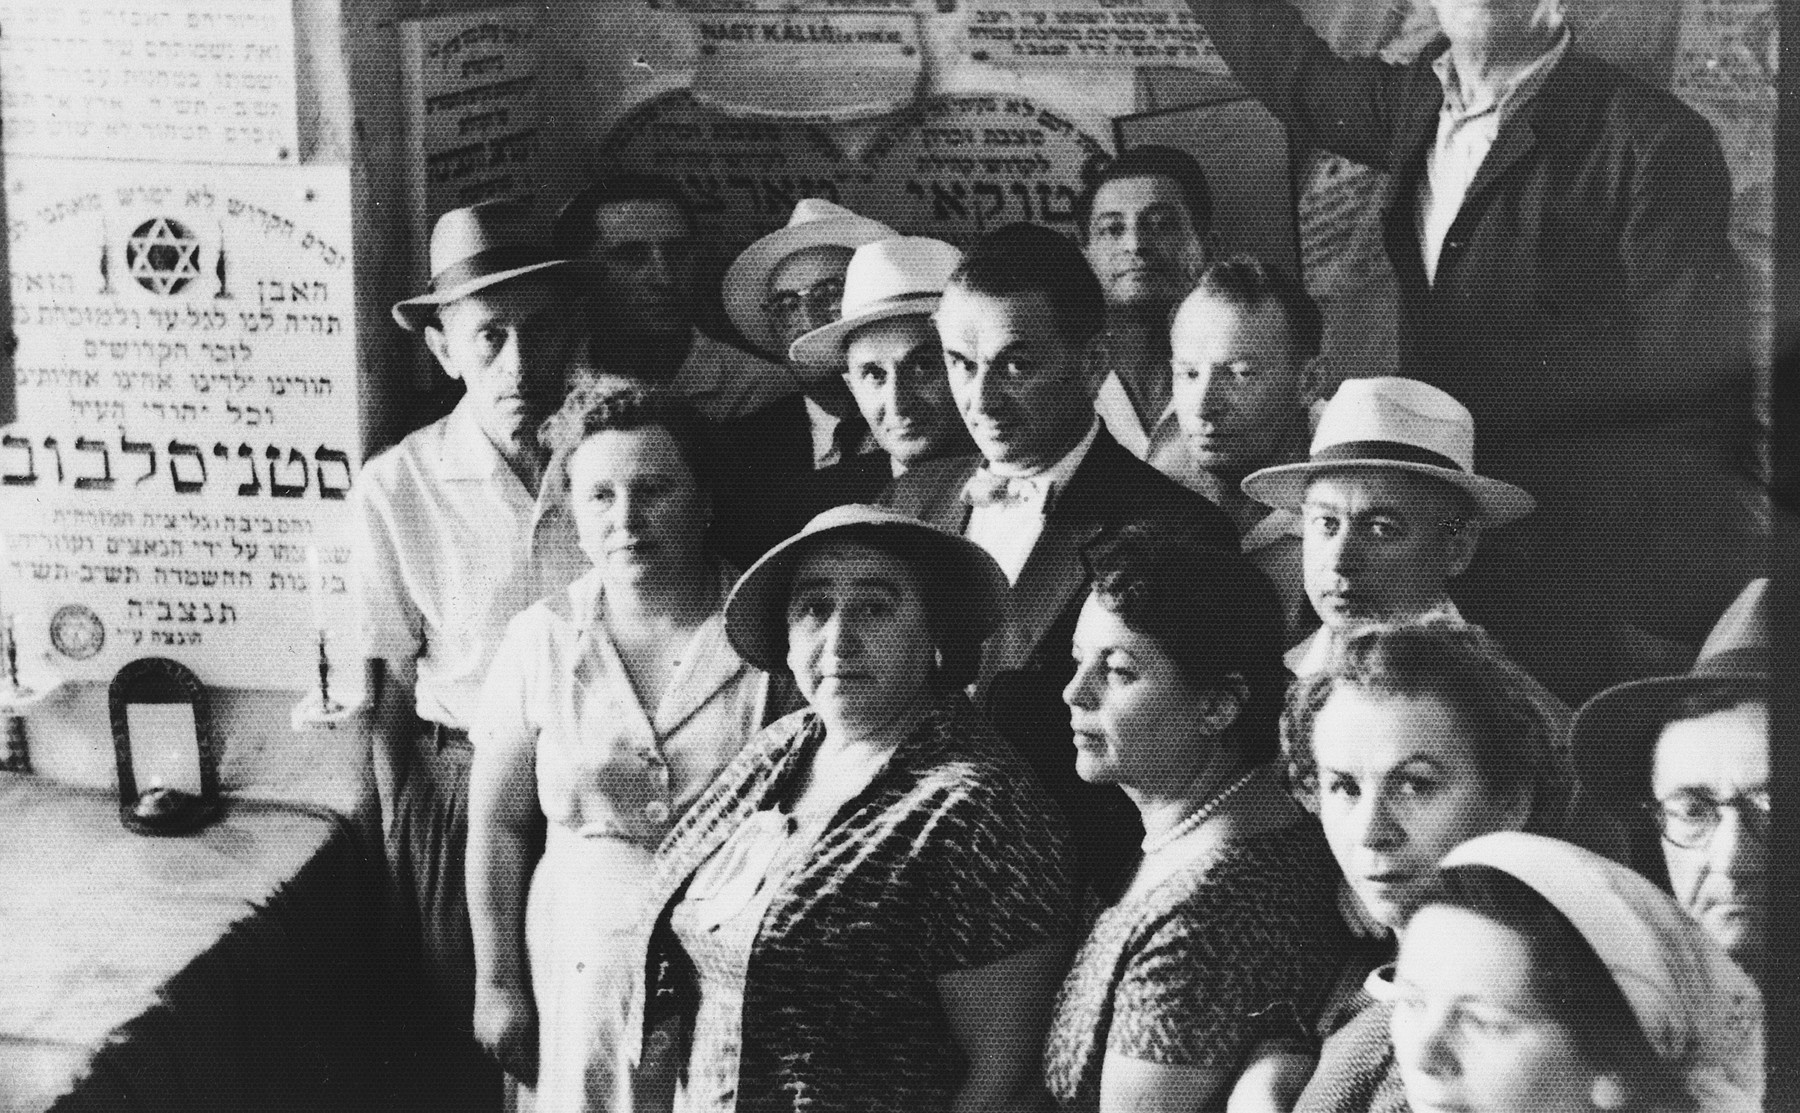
(1394, 423)
(1700, 1012)
(814, 223)
(1615, 731)
(474, 248)
(974, 589)
(894, 277)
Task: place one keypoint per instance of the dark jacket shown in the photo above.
(1027, 662)
(776, 508)
(1587, 306)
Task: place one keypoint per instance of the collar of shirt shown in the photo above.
(823, 425)
(1513, 94)
(1312, 655)
(467, 456)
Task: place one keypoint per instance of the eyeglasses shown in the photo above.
(820, 299)
(1689, 819)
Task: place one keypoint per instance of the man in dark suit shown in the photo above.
(1558, 232)
(1046, 480)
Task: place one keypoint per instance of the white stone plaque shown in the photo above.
(193, 80)
(187, 416)
(1060, 33)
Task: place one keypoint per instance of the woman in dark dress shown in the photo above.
(1228, 931)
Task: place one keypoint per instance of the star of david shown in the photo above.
(163, 256)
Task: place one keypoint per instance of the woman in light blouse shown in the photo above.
(609, 708)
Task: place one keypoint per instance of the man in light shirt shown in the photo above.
(1390, 506)
(455, 538)
(1146, 220)
(1558, 234)
(638, 231)
(1244, 358)
(1015, 321)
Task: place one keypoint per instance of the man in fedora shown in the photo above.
(638, 231)
(784, 285)
(1015, 320)
(1390, 506)
(1146, 224)
(456, 537)
(1683, 761)
(1245, 365)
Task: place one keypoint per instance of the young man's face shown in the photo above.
(895, 371)
(1381, 543)
(646, 254)
(1239, 388)
(510, 344)
(1142, 243)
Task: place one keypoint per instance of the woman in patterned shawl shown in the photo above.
(1228, 931)
(870, 908)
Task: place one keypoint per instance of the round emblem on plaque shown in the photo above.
(162, 255)
(76, 632)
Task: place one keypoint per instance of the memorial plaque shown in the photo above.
(186, 433)
(469, 85)
(193, 81)
(743, 176)
(826, 66)
(1062, 33)
(797, 5)
(959, 165)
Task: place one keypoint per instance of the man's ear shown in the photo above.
(1313, 375)
(439, 346)
(1460, 543)
(1092, 371)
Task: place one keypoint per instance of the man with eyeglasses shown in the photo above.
(783, 286)
(638, 231)
(1692, 752)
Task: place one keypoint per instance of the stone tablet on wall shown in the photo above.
(171, 80)
(829, 67)
(469, 89)
(963, 164)
(187, 414)
(1062, 33)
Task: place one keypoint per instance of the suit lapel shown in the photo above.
(1413, 138)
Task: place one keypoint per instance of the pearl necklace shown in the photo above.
(1200, 815)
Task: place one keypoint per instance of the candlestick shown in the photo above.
(12, 656)
(326, 703)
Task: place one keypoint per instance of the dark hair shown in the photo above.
(1153, 161)
(574, 233)
(1571, 981)
(1031, 259)
(1248, 283)
(959, 649)
(598, 402)
(1212, 611)
(1521, 730)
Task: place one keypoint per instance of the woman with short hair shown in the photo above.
(609, 708)
(870, 908)
(1227, 931)
(1536, 977)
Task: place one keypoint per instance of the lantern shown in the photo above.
(168, 755)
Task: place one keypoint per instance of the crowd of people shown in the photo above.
(1033, 682)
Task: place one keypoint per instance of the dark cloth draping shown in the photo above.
(235, 968)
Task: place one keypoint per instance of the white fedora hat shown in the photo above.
(814, 222)
(889, 278)
(1388, 422)
(474, 248)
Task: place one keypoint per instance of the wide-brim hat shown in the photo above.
(1698, 1010)
(1614, 732)
(896, 277)
(966, 580)
(1395, 423)
(474, 248)
(814, 222)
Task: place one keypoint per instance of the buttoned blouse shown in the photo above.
(606, 766)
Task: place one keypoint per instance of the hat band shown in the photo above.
(891, 301)
(506, 257)
(1398, 451)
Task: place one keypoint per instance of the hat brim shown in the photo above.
(1284, 486)
(746, 281)
(414, 314)
(970, 583)
(1613, 734)
(824, 346)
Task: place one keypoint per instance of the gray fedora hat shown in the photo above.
(972, 586)
(474, 248)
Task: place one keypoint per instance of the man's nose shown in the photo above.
(1736, 850)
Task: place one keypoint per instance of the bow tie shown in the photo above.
(985, 488)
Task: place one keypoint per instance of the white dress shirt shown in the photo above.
(1009, 532)
(1466, 132)
(1312, 655)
